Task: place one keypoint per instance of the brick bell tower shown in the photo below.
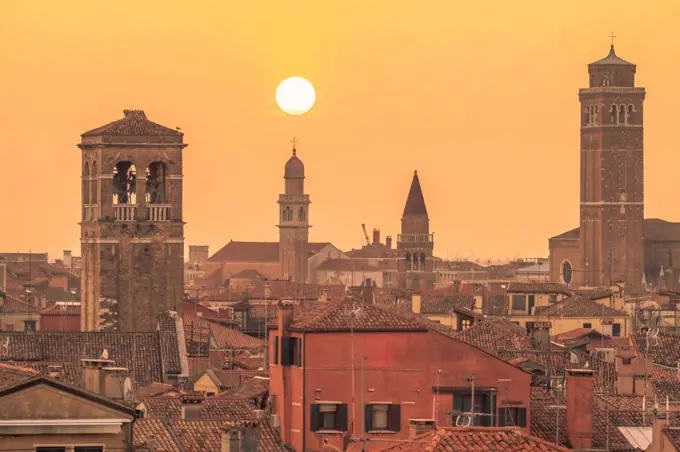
(416, 268)
(132, 233)
(294, 222)
(612, 186)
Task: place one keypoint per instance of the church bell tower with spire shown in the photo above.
(416, 243)
(294, 222)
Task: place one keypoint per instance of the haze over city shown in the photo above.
(480, 98)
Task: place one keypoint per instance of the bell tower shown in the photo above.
(294, 222)
(132, 233)
(612, 187)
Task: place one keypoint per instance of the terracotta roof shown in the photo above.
(230, 379)
(578, 306)
(595, 294)
(497, 439)
(256, 251)
(495, 336)
(664, 347)
(343, 315)
(135, 123)
(61, 310)
(146, 355)
(255, 387)
(12, 374)
(611, 59)
(415, 202)
(572, 234)
(13, 305)
(546, 288)
(444, 304)
(248, 362)
(211, 408)
(177, 435)
(154, 389)
(248, 273)
(348, 265)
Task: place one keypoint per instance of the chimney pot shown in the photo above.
(580, 408)
(388, 241)
(231, 440)
(376, 236)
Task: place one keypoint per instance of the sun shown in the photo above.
(295, 96)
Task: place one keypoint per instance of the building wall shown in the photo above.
(131, 270)
(327, 252)
(15, 321)
(59, 323)
(205, 384)
(405, 375)
(563, 324)
(566, 250)
(540, 299)
(349, 278)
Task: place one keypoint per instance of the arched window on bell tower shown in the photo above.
(94, 179)
(422, 261)
(86, 184)
(622, 114)
(125, 183)
(301, 214)
(408, 262)
(155, 183)
(629, 114)
(614, 114)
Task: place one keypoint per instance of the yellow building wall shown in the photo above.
(205, 384)
(563, 324)
(540, 299)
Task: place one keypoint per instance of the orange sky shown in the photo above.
(480, 97)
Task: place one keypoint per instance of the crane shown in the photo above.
(368, 242)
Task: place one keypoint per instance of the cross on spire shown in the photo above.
(294, 141)
(612, 36)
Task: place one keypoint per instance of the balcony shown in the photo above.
(159, 212)
(124, 212)
(415, 238)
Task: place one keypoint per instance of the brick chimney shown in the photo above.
(580, 408)
(102, 377)
(540, 335)
(240, 437)
(415, 303)
(231, 440)
(3, 274)
(376, 236)
(285, 317)
(417, 427)
(628, 366)
(388, 241)
(191, 406)
(68, 258)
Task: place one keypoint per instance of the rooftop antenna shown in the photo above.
(612, 37)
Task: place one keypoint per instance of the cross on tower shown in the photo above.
(294, 141)
(612, 38)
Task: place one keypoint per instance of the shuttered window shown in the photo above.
(382, 417)
(328, 417)
(512, 417)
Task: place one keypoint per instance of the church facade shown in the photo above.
(613, 243)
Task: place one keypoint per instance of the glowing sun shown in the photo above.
(295, 96)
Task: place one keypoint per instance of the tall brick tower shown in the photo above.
(415, 240)
(294, 222)
(132, 233)
(612, 188)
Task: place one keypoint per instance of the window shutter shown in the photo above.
(458, 403)
(502, 414)
(276, 350)
(616, 329)
(315, 417)
(286, 351)
(368, 418)
(522, 415)
(297, 350)
(341, 417)
(394, 418)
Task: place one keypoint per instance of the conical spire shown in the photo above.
(415, 203)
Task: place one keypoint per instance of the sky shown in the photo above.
(480, 97)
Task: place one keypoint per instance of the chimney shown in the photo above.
(67, 258)
(191, 406)
(580, 408)
(658, 436)
(285, 317)
(231, 440)
(415, 303)
(376, 236)
(93, 376)
(417, 427)
(540, 336)
(323, 295)
(388, 241)
(55, 371)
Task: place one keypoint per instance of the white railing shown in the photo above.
(159, 212)
(125, 212)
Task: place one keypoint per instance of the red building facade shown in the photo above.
(339, 370)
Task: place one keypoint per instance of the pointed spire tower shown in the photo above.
(415, 240)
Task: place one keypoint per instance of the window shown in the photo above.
(329, 416)
(291, 351)
(616, 330)
(587, 325)
(512, 417)
(50, 449)
(465, 324)
(552, 298)
(29, 326)
(627, 360)
(88, 449)
(567, 272)
(383, 417)
(155, 183)
(519, 303)
(530, 326)
(242, 318)
(301, 214)
(484, 407)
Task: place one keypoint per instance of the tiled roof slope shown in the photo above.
(538, 288)
(211, 408)
(579, 306)
(463, 439)
(438, 304)
(146, 355)
(225, 338)
(343, 315)
(256, 251)
(11, 374)
(135, 123)
(233, 378)
(198, 435)
(495, 336)
(664, 348)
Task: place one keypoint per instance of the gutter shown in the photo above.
(304, 394)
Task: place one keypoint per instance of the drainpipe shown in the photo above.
(304, 394)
